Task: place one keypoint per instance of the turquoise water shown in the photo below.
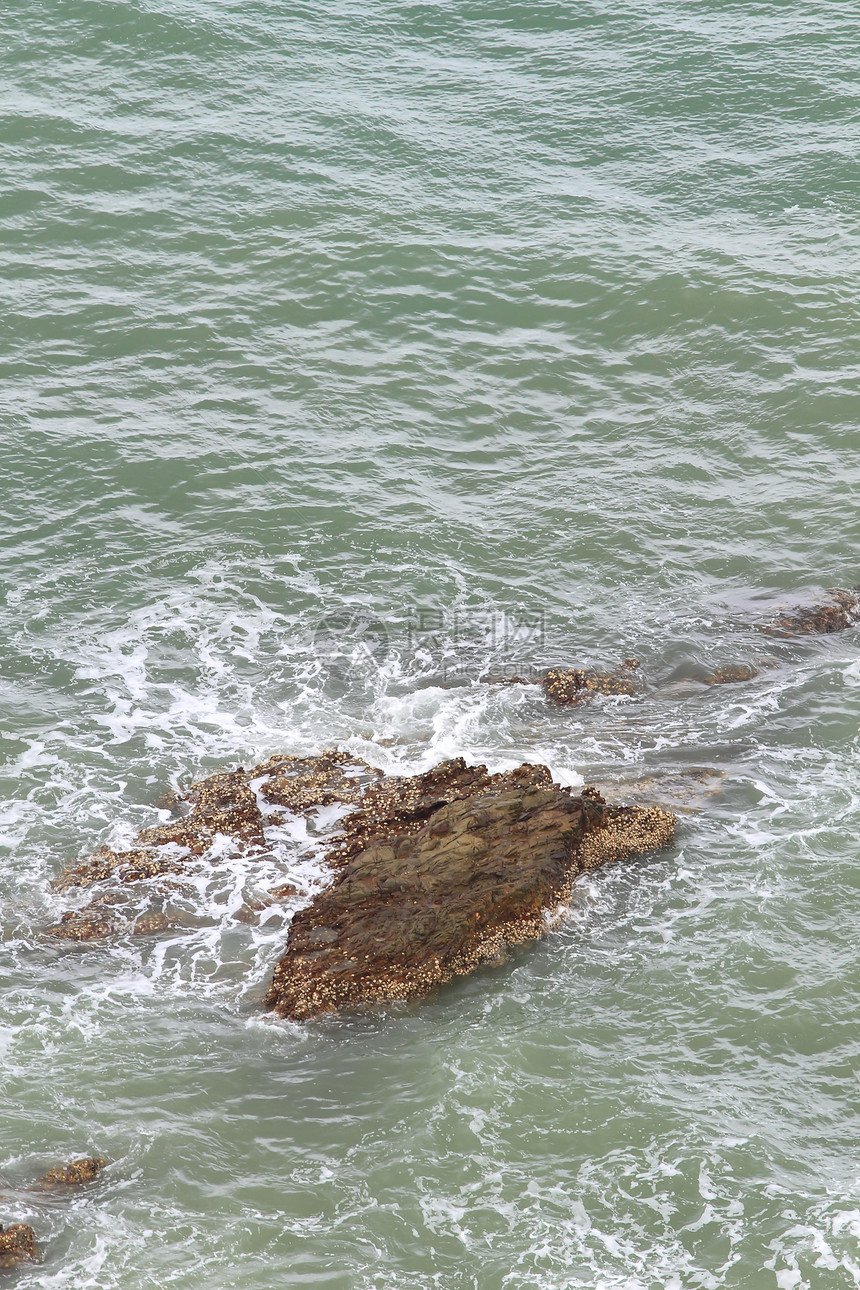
(352, 352)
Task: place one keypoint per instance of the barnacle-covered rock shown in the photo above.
(568, 685)
(403, 804)
(77, 1173)
(438, 873)
(225, 805)
(17, 1246)
(731, 674)
(222, 804)
(301, 783)
(840, 610)
(95, 922)
(102, 919)
(123, 866)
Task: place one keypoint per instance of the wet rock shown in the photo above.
(94, 922)
(438, 873)
(731, 674)
(570, 685)
(17, 1246)
(685, 790)
(249, 912)
(839, 611)
(301, 783)
(77, 1173)
(226, 805)
(220, 804)
(152, 923)
(104, 919)
(404, 804)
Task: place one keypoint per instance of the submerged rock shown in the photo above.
(684, 790)
(225, 805)
(17, 1246)
(77, 1173)
(731, 674)
(840, 611)
(438, 873)
(301, 783)
(567, 685)
(115, 913)
(250, 910)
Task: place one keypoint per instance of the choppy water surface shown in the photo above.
(529, 331)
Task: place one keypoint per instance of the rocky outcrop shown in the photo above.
(568, 685)
(839, 611)
(434, 873)
(17, 1246)
(438, 873)
(77, 1173)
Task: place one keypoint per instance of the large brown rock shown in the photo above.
(438, 873)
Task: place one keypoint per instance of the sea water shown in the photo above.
(355, 352)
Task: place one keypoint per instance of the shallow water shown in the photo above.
(352, 353)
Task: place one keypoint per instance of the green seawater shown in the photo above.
(351, 352)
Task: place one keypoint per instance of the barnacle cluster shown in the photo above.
(17, 1246)
(75, 1174)
(567, 685)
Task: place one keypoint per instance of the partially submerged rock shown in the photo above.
(435, 873)
(77, 1173)
(301, 783)
(114, 913)
(225, 805)
(839, 611)
(17, 1246)
(251, 910)
(731, 674)
(683, 790)
(568, 685)
(438, 873)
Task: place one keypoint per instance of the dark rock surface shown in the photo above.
(438, 873)
(17, 1246)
